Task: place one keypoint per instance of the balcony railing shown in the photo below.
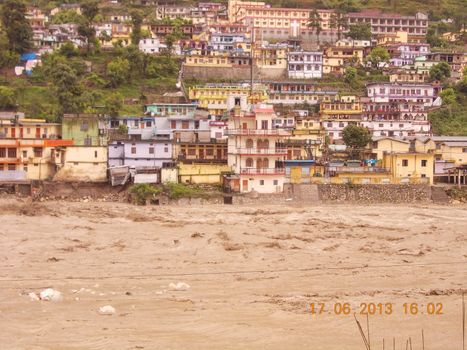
(262, 171)
(260, 132)
(261, 151)
(347, 169)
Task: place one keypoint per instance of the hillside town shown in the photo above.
(264, 96)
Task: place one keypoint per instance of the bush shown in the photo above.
(176, 190)
(142, 192)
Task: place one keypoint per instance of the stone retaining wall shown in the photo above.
(375, 193)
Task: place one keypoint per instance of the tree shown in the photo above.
(356, 138)
(113, 104)
(7, 98)
(449, 97)
(350, 75)
(118, 71)
(360, 31)
(67, 16)
(338, 21)
(68, 50)
(89, 10)
(314, 22)
(68, 88)
(16, 26)
(378, 55)
(137, 21)
(440, 71)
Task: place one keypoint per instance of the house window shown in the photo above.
(95, 154)
(166, 149)
(276, 182)
(405, 162)
(12, 167)
(11, 152)
(261, 182)
(133, 150)
(151, 149)
(249, 163)
(185, 124)
(25, 154)
(84, 126)
(37, 152)
(424, 161)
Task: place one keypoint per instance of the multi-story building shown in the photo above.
(305, 64)
(407, 76)
(337, 58)
(151, 45)
(280, 23)
(271, 56)
(307, 138)
(220, 98)
(383, 23)
(391, 92)
(396, 119)
(256, 151)
(167, 109)
(140, 153)
(294, 92)
(230, 42)
(338, 114)
(26, 148)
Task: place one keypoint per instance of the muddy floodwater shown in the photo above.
(231, 277)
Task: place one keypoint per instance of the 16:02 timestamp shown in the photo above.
(376, 308)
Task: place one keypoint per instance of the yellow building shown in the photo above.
(452, 151)
(208, 61)
(81, 163)
(32, 157)
(393, 38)
(219, 98)
(202, 173)
(307, 139)
(271, 56)
(410, 167)
(345, 107)
(388, 145)
(29, 129)
(337, 57)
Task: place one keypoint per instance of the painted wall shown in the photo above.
(201, 173)
(84, 163)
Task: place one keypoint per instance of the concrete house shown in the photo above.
(256, 151)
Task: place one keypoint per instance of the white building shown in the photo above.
(305, 64)
(392, 92)
(151, 45)
(255, 149)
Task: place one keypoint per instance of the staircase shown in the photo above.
(439, 196)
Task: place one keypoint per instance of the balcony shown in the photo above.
(261, 151)
(259, 132)
(262, 171)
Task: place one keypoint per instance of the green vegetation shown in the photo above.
(440, 71)
(180, 190)
(143, 192)
(360, 31)
(356, 138)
